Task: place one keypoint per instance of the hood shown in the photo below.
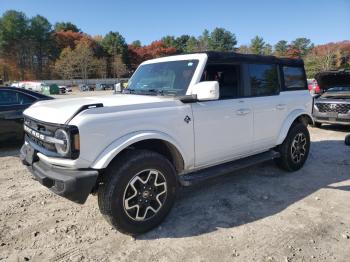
(330, 79)
(59, 111)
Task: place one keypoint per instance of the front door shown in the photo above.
(223, 129)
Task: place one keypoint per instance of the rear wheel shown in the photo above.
(295, 148)
(138, 191)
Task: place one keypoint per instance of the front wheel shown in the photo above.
(295, 148)
(138, 191)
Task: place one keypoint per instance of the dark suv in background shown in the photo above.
(332, 106)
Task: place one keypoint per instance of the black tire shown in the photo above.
(288, 161)
(347, 140)
(117, 180)
(317, 124)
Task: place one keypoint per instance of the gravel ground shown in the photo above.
(257, 214)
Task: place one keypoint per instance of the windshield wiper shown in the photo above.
(157, 91)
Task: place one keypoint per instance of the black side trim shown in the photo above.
(75, 185)
(188, 99)
(211, 172)
(83, 108)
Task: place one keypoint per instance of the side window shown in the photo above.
(24, 99)
(263, 79)
(14, 98)
(8, 98)
(294, 78)
(228, 77)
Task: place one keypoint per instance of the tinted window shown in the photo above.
(24, 99)
(263, 80)
(294, 77)
(14, 98)
(8, 97)
(228, 78)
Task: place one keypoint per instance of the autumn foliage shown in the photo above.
(156, 49)
(32, 48)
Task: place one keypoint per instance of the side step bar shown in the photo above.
(211, 172)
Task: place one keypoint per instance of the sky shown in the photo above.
(322, 21)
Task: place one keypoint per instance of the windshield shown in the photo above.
(339, 89)
(165, 78)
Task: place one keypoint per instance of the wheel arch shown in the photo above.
(155, 141)
(296, 116)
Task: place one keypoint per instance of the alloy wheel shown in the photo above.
(298, 148)
(145, 195)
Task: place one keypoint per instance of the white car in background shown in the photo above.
(29, 85)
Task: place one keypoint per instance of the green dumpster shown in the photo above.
(50, 89)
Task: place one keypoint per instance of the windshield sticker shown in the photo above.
(190, 64)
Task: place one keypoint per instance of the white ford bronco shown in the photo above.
(181, 119)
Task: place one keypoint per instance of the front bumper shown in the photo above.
(75, 185)
(341, 119)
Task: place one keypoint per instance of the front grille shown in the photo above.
(43, 129)
(335, 107)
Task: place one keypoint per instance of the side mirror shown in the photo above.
(118, 88)
(208, 90)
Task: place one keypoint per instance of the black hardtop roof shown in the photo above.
(229, 57)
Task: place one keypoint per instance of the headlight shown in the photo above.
(62, 148)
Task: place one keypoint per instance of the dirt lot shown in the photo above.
(257, 214)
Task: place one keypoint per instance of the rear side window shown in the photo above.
(24, 99)
(263, 79)
(294, 78)
(14, 98)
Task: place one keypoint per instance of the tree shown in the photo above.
(41, 42)
(101, 67)
(281, 48)
(114, 45)
(244, 49)
(257, 45)
(14, 39)
(65, 65)
(136, 43)
(222, 40)
(66, 26)
(302, 45)
(169, 41)
(181, 43)
(120, 69)
(204, 41)
(192, 45)
(63, 39)
(84, 58)
(156, 49)
(267, 50)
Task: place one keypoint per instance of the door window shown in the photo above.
(24, 99)
(8, 97)
(263, 80)
(228, 77)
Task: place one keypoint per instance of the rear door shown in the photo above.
(223, 129)
(262, 91)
